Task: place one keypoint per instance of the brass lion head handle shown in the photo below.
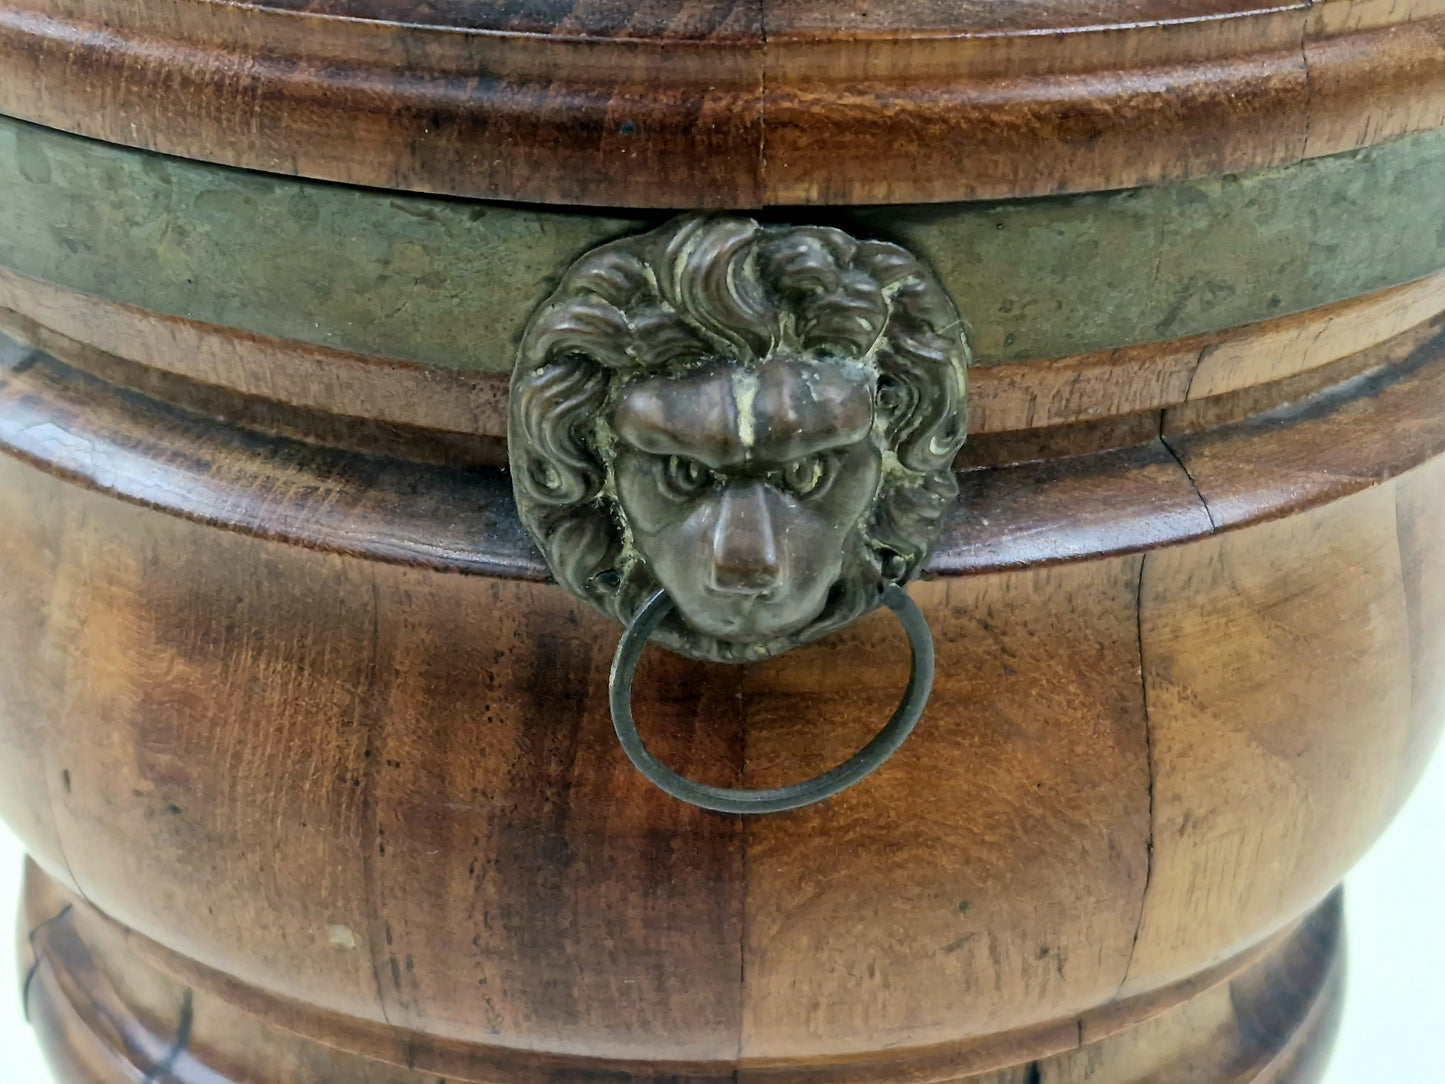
(758, 422)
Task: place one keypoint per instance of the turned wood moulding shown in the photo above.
(376, 379)
(734, 102)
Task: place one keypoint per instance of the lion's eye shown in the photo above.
(804, 476)
(685, 477)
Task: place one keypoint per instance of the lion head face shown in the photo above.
(759, 420)
(741, 485)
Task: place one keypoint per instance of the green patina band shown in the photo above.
(451, 283)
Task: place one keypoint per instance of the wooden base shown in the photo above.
(111, 1007)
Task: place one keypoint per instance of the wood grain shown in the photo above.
(1276, 667)
(316, 762)
(1029, 781)
(1314, 446)
(32, 688)
(1269, 1020)
(1419, 516)
(1172, 488)
(388, 508)
(379, 804)
(139, 777)
(730, 104)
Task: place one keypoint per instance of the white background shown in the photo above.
(1394, 1014)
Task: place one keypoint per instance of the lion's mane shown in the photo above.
(709, 287)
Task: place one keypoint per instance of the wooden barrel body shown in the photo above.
(314, 760)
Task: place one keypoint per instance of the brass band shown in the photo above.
(449, 283)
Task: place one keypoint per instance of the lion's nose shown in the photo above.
(745, 553)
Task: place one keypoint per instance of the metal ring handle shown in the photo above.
(794, 795)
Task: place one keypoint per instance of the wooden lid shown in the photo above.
(731, 103)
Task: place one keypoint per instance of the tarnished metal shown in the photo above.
(794, 795)
(740, 438)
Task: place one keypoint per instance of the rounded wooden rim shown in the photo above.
(1186, 479)
(777, 105)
